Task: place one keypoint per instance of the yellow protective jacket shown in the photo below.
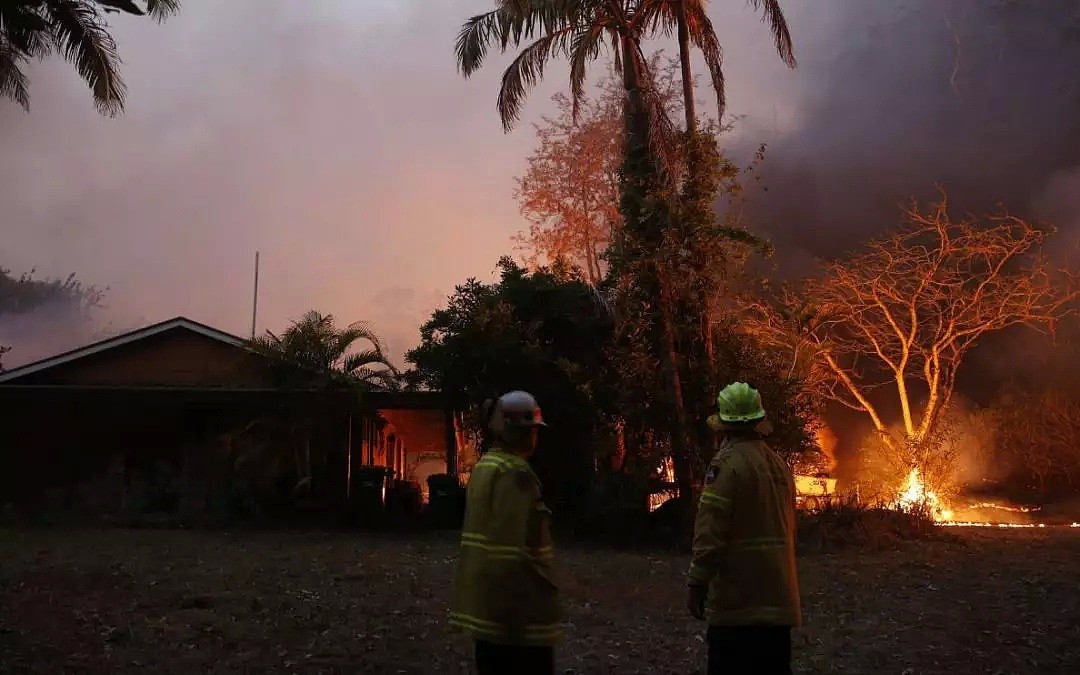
(744, 538)
(503, 591)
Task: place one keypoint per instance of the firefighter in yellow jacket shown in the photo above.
(742, 575)
(504, 596)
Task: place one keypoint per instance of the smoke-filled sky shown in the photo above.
(337, 138)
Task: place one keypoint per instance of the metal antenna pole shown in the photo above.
(255, 301)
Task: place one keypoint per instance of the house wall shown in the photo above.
(176, 358)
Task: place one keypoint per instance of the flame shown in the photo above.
(915, 494)
(667, 474)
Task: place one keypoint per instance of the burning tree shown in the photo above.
(569, 192)
(902, 315)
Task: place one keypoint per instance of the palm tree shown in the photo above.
(314, 345)
(32, 29)
(578, 30)
(694, 27)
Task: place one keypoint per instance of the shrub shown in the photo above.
(845, 525)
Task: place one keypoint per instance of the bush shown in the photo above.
(845, 525)
(1038, 441)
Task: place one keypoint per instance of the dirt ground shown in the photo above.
(116, 601)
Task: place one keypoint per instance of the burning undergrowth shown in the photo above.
(850, 524)
(915, 495)
(941, 479)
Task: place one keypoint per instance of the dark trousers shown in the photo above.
(756, 650)
(493, 659)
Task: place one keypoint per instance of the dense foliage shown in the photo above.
(546, 332)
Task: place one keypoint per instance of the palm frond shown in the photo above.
(476, 36)
(13, 81)
(380, 378)
(616, 60)
(663, 134)
(509, 24)
(158, 9)
(585, 47)
(539, 17)
(362, 331)
(656, 17)
(526, 70)
(162, 9)
(774, 16)
(25, 30)
(703, 35)
(81, 36)
(126, 6)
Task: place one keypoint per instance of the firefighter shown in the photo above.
(504, 595)
(743, 575)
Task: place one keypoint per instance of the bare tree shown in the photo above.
(903, 314)
(569, 193)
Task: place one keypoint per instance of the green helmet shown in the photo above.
(739, 402)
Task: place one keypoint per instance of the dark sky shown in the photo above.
(980, 97)
(337, 138)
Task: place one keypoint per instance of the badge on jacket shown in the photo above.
(525, 482)
(711, 474)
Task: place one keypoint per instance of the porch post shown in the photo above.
(451, 442)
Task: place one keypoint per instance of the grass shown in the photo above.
(116, 601)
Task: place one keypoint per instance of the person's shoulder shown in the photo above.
(514, 469)
(525, 478)
(727, 457)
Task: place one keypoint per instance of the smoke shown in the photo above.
(47, 330)
(335, 137)
(893, 99)
(898, 97)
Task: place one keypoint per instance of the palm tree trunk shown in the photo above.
(687, 74)
(680, 450)
(694, 164)
(637, 135)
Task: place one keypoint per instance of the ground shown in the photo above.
(115, 601)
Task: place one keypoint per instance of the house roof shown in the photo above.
(123, 339)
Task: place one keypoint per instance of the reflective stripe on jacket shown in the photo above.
(503, 589)
(744, 538)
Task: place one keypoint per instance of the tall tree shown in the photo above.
(695, 29)
(646, 257)
(542, 331)
(33, 29)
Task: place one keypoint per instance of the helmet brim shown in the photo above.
(761, 424)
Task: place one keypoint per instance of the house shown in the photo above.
(194, 402)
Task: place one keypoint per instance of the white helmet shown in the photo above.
(513, 411)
